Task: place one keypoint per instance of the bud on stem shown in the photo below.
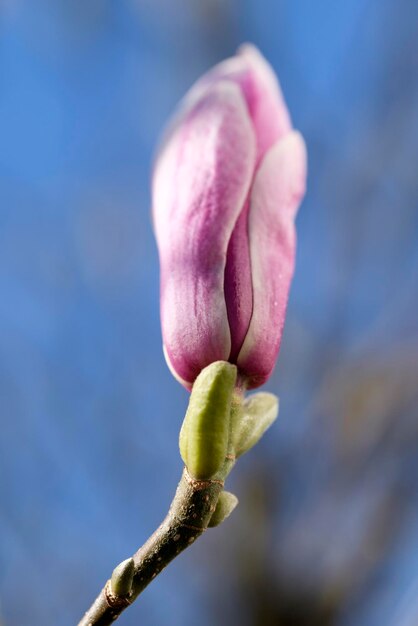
(122, 577)
(256, 415)
(226, 504)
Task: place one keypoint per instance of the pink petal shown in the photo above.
(266, 105)
(238, 283)
(268, 109)
(201, 180)
(278, 188)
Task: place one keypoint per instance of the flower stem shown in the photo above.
(190, 512)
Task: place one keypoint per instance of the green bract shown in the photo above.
(205, 431)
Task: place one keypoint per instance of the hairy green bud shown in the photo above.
(256, 415)
(122, 577)
(205, 431)
(226, 504)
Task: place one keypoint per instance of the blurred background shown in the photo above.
(327, 528)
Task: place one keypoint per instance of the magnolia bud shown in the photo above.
(227, 183)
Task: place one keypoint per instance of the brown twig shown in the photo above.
(190, 512)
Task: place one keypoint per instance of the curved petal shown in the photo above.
(238, 284)
(262, 93)
(278, 188)
(200, 183)
(266, 103)
(260, 88)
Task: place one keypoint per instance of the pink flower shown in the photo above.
(227, 183)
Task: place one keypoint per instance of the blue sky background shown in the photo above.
(326, 532)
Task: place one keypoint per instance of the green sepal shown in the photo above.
(122, 578)
(226, 504)
(256, 415)
(204, 434)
